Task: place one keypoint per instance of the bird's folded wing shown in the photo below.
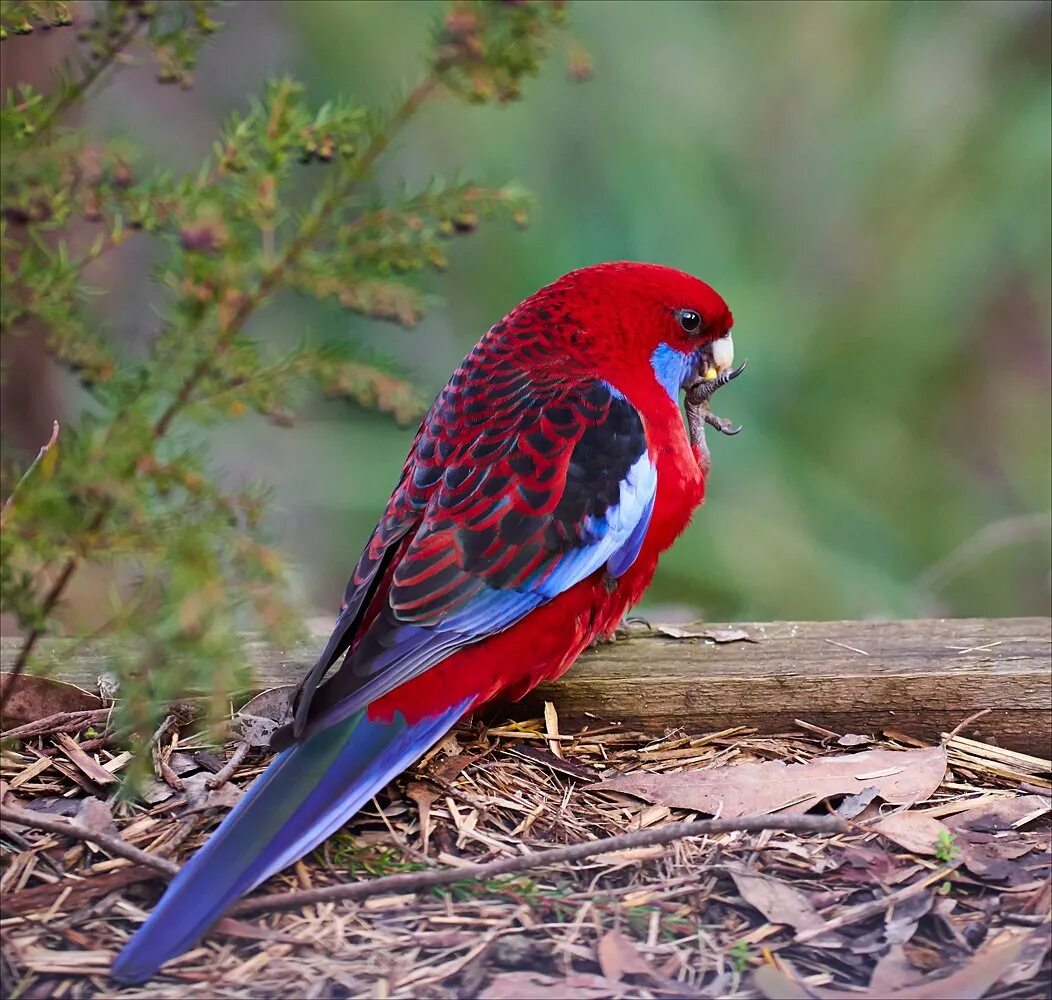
(516, 489)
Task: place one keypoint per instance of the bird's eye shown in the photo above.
(689, 320)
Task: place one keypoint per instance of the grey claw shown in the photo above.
(734, 372)
(728, 376)
(723, 426)
(702, 390)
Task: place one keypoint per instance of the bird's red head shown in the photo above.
(624, 321)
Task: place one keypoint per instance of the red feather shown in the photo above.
(523, 453)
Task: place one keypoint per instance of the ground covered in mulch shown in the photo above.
(941, 887)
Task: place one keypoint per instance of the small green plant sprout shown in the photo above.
(740, 956)
(945, 847)
(287, 205)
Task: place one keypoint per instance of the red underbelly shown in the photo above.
(541, 646)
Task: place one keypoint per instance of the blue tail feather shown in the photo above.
(309, 791)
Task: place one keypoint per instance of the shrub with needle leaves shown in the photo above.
(286, 204)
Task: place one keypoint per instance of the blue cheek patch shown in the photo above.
(671, 367)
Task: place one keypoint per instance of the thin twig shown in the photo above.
(853, 914)
(964, 725)
(103, 61)
(225, 773)
(67, 828)
(57, 723)
(417, 881)
(985, 542)
(300, 243)
(51, 598)
(44, 449)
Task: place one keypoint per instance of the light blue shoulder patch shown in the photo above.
(671, 367)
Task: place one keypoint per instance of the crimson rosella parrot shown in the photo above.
(543, 484)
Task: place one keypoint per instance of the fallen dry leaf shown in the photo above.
(618, 957)
(254, 932)
(51, 805)
(445, 769)
(916, 832)
(96, 816)
(35, 698)
(536, 986)
(900, 923)
(867, 864)
(900, 776)
(989, 841)
(199, 796)
(551, 725)
(778, 902)
(776, 985)
(1027, 965)
(970, 982)
(1003, 815)
(854, 740)
(183, 763)
(717, 635)
(258, 718)
(423, 796)
(854, 804)
(893, 971)
(156, 792)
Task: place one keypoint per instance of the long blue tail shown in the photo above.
(306, 795)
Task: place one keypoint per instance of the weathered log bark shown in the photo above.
(917, 677)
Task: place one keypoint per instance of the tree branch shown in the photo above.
(67, 828)
(44, 449)
(418, 881)
(51, 598)
(103, 62)
(267, 284)
(301, 242)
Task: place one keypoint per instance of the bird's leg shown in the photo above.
(696, 429)
(699, 392)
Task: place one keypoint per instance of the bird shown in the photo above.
(543, 484)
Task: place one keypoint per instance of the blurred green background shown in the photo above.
(867, 184)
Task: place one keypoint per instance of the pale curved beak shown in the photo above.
(722, 353)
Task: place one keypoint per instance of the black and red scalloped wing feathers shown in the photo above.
(518, 486)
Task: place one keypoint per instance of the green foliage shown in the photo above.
(364, 860)
(484, 51)
(740, 957)
(287, 203)
(945, 847)
(26, 17)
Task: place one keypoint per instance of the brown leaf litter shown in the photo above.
(941, 886)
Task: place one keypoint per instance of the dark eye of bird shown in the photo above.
(689, 320)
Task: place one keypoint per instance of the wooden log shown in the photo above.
(919, 677)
